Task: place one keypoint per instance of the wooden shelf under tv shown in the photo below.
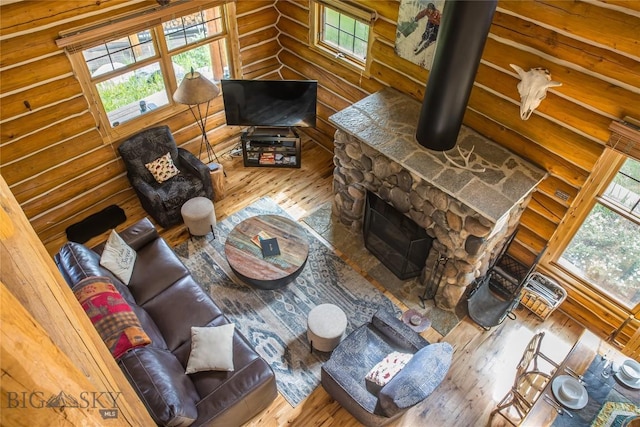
(271, 147)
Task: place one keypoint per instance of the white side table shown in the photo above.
(326, 325)
(199, 216)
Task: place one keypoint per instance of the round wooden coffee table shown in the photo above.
(245, 257)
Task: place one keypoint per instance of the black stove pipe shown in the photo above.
(461, 37)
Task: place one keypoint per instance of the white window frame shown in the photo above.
(353, 10)
(78, 40)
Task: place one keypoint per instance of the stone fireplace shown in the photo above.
(468, 199)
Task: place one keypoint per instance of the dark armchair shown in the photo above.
(163, 200)
(343, 375)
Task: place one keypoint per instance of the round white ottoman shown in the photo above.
(199, 216)
(325, 327)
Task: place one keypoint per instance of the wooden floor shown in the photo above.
(484, 362)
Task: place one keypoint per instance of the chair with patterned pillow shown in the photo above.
(359, 374)
(164, 176)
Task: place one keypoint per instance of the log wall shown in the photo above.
(61, 171)
(53, 157)
(591, 47)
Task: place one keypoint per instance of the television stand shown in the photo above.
(271, 147)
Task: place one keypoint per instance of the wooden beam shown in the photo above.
(544, 39)
(585, 20)
(48, 342)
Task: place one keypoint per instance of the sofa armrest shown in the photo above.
(76, 262)
(139, 234)
(417, 380)
(136, 235)
(159, 379)
(397, 332)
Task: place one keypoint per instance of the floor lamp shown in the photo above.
(194, 91)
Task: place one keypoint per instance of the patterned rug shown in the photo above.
(408, 291)
(616, 414)
(275, 321)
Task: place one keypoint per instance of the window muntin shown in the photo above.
(605, 251)
(119, 53)
(624, 189)
(343, 33)
(201, 60)
(135, 75)
(190, 29)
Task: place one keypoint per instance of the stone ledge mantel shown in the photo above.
(387, 122)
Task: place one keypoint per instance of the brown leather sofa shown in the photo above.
(168, 302)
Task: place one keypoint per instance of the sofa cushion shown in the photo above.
(178, 308)
(110, 314)
(211, 349)
(118, 257)
(424, 372)
(159, 380)
(157, 268)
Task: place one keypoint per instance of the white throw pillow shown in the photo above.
(118, 257)
(211, 349)
(162, 168)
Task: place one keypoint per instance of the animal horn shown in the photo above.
(519, 70)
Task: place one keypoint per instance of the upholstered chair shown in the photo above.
(344, 375)
(163, 192)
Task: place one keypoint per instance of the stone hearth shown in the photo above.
(469, 213)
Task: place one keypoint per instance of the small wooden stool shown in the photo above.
(199, 216)
(216, 171)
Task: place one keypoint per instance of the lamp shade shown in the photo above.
(195, 89)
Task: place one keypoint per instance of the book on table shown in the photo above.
(270, 247)
(262, 235)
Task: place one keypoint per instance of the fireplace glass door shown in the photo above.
(396, 240)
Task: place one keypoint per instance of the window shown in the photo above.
(131, 77)
(602, 248)
(342, 31)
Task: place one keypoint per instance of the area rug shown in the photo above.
(407, 291)
(616, 414)
(275, 321)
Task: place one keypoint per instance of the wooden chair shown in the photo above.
(632, 347)
(529, 383)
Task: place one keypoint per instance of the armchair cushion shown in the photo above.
(417, 380)
(175, 192)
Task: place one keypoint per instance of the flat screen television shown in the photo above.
(270, 103)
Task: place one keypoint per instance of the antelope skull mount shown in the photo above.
(532, 88)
